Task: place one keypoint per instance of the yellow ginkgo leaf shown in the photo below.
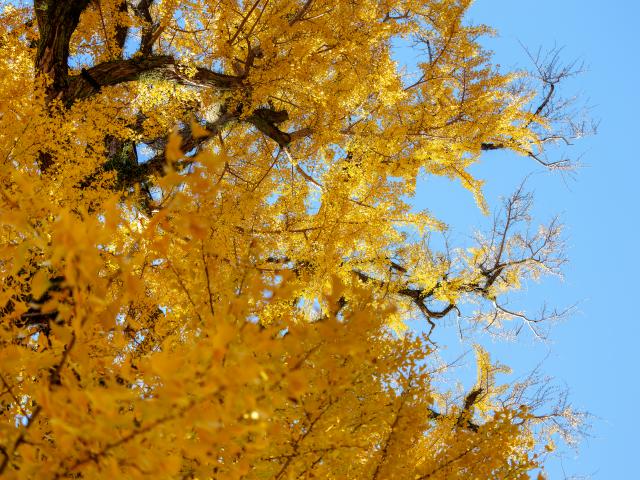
(198, 131)
(40, 283)
(173, 151)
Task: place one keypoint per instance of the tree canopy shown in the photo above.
(209, 252)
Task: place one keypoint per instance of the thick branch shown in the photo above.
(121, 30)
(142, 11)
(57, 20)
(266, 119)
(162, 67)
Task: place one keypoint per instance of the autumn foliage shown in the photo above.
(208, 251)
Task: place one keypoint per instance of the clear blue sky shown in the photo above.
(594, 352)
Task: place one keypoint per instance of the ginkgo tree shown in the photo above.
(209, 252)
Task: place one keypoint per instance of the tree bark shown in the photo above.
(163, 67)
(57, 20)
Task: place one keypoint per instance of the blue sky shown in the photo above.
(595, 351)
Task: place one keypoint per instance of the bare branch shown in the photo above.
(552, 118)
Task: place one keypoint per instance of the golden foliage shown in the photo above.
(205, 242)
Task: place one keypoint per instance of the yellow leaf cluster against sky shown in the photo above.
(208, 250)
